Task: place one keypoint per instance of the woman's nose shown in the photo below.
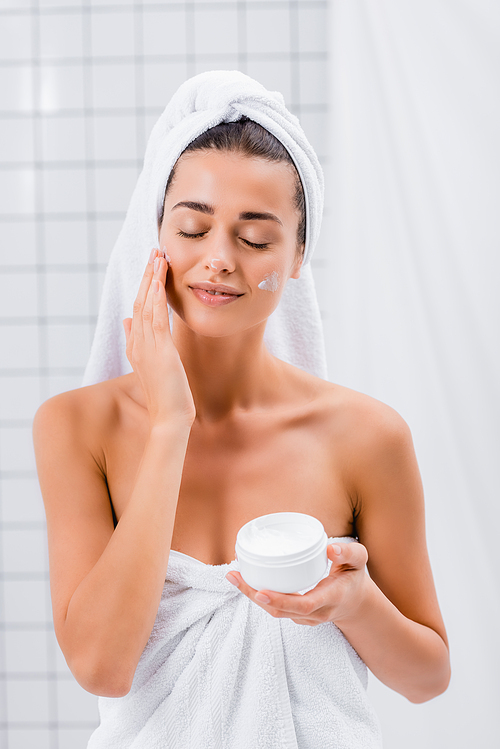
(218, 265)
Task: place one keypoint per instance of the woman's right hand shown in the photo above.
(151, 350)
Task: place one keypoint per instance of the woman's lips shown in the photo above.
(214, 300)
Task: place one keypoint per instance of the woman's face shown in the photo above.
(230, 221)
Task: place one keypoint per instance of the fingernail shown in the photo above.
(152, 255)
(157, 264)
(262, 598)
(336, 549)
(233, 580)
(156, 286)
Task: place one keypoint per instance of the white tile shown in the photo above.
(19, 345)
(274, 76)
(27, 701)
(17, 243)
(17, 191)
(25, 651)
(215, 30)
(313, 82)
(68, 345)
(112, 34)
(65, 242)
(61, 87)
(56, 656)
(315, 128)
(76, 738)
(164, 32)
(16, 88)
(67, 293)
(161, 81)
(106, 234)
(17, 141)
(115, 137)
(113, 85)
(312, 23)
(26, 601)
(24, 550)
(64, 190)
(97, 3)
(114, 187)
(15, 37)
(75, 703)
(24, 738)
(15, 4)
(18, 294)
(268, 30)
(21, 501)
(151, 118)
(226, 62)
(60, 3)
(16, 449)
(61, 35)
(63, 384)
(19, 397)
(63, 138)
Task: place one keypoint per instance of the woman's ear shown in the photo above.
(297, 265)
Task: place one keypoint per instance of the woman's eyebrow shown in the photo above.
(245, 216)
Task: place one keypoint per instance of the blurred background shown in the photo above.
(399, 98)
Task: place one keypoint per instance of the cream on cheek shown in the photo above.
(270, 282)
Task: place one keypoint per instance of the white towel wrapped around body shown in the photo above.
(219, 672)
(294, 331)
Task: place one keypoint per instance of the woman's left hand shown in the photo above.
(334, 598)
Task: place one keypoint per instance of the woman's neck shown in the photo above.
(229, 374)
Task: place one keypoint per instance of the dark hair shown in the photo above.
(250, 139)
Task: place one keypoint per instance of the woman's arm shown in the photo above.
(392, 618)
(106, 583)
(397, 627)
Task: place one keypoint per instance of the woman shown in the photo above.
(159, 468)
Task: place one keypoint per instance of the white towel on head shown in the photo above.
(294, 331)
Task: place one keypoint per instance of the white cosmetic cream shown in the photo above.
(284, 551)
(273, 541)
(214, 263)
(270, 282)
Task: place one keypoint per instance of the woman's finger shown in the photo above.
(346, 557)
(159, 271)
(127, 325)
(161, 323)
(142, 294)
(285, 603)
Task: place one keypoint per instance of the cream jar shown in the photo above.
(284, 551)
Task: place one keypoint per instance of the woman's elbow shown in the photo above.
(102, 680)
(430, 690)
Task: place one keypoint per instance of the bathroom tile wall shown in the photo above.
(81, 84)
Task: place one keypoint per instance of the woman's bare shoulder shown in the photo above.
(90, 410)
(363, 423)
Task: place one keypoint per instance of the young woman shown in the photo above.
(210, 430)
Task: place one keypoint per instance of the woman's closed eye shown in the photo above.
(181, 233)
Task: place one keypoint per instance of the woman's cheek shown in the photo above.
(270, 282)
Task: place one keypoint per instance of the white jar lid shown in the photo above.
(281, 538)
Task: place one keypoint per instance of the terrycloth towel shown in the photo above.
(219, 672)
(294, 330)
